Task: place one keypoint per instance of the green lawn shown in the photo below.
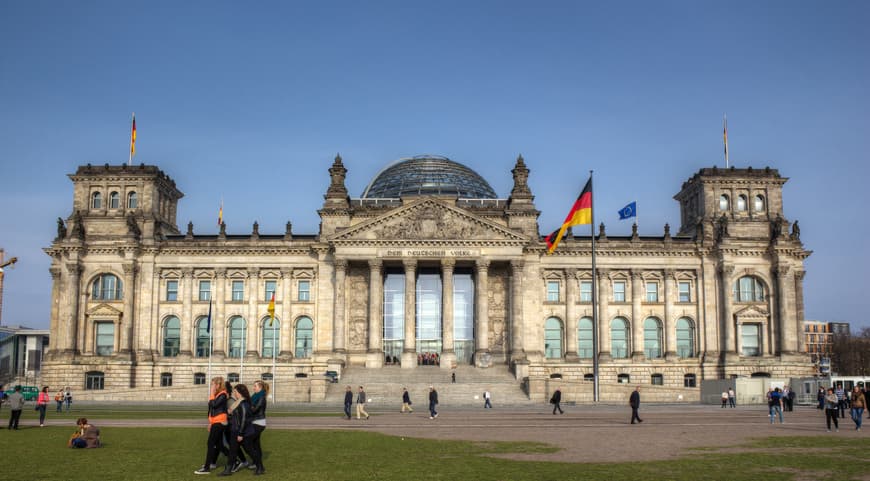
(34, 453)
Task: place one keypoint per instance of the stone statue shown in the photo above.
(61, 230)
(795, 231)
(722, 228)
(132, 226)
(78, 228)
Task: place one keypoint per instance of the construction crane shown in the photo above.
(11, 262)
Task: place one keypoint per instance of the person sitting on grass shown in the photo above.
(86, 436)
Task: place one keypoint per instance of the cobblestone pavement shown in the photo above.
(584, 433)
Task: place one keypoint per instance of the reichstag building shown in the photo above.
(429, 266)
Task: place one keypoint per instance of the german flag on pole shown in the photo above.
(581, 213)
(133, 137)
(271, 310)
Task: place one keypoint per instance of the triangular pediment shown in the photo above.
(428, 219)
(753, 311)
(104, 311)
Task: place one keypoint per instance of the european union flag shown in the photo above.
(628, 211)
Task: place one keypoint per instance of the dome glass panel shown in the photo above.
(428, 175)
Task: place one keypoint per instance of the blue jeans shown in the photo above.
(432, 411)
(857, 416)
(774, 410)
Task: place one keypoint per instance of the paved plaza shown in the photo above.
(585, 433)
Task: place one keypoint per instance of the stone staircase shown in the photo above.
(384, 385)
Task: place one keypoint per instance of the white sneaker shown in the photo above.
(203, 470)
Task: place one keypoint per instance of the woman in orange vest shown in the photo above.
(217, 423)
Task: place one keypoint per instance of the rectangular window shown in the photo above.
(94, 381)
(105, 338)
(585, 291)
(657, 380)
(685, 289)
(270, 290)
(166, 379)
(304, 291)
(204, 290)
(238, 291)
(552, 291)
(171, 290)
(689, 380)
(619, 291)
(198, 379)
(652, 292)
(750, 336)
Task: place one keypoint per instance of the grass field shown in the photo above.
(152, 453)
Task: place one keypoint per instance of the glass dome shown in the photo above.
(428, 175)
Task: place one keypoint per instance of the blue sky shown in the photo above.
(250, 101)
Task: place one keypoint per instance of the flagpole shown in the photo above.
(242, 357)
(210, 341)
(274, 350)
(595, 392)
(725, 136)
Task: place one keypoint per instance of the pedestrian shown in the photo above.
(775, 405)
(2, 396)
(217, 423)
(820, 398)
(634, 402)
(724, 398)
(487, 400)
(406, 401)
(258, 413)
(348, 401)
(453, 377)
(361, 404)
(241, 430)
(788, 398)
(16, 404)
(556, 400)
(67, 397)
(433, 401)
(732, 397)
(858, 403)
(42, 405)
(58, 399)
(831, 405)
(239, 460)
(841, 400)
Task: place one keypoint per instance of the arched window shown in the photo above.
(114, 200)
(589, 377)
(584, 338)
(304, 337)
(236, 346)
(619, 338)
(96, 200)
(724, 203)
(94, 380)
(271, 337)
(748, 289)
(758, 203)
(685, 337)
(171, 336)
(553, 338)
(652, 338)
(741, 203)
(106, 287)
(132, 200)
(203, 339)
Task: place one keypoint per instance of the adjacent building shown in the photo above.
(429, 266)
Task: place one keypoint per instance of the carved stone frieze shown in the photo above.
(357, 307)
(498, 308)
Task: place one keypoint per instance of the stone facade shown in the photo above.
(132, 293)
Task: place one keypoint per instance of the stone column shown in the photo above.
(54, 327)
(188, 324)
(799, 307)
(338, 329)
(286, 324)
(409, 351)
(572, 295)
(448, 354)
(481, 321)
(71, 299)
(637, 292)
(787, 330)
(128, 318)
(218, 321)
(252, 327)
(730, 348)
(603, 293)
(670, 328)
(375, 354)
(517, 348)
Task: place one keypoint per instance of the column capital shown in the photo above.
(517, 264)
(253, 272)
(726, 269)
(448, 263)
(781, 270)
(219, 272)
(572, 273)
(410, 264)
(187, 272)
(603, 274)
(799, 274)
(376, 264)
(55, 272)
(670, 274)
(481, 263)
(340, 263)
(73, 268)
(286, 273)
(129, 268)
(636, 274)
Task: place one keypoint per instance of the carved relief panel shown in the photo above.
(357, 308)
(498, 309)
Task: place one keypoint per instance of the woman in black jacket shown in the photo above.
(258, 412)
(241, 429)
